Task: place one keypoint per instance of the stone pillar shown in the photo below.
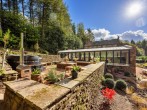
(133, 60)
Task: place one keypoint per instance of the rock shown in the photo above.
(143, 83)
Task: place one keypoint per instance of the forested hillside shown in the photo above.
(46, 25)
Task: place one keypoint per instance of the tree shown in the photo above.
(36, 46)
(144, 46)
(81, 33)
(6, 38)
(132, 41)
(45, 21)
(1, 5)
(22, 2)
(74, 28)
(89, 35)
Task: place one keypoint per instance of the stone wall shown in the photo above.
(84, 96)
(50, 58)
(78, 94)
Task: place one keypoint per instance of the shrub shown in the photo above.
(108, 75)
(53, 77)
(36, 71)
(109, 83)
(127, 74)
(120, 84)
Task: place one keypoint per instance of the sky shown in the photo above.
(109, 18)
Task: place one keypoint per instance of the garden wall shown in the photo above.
(79, 94)
(50, 58)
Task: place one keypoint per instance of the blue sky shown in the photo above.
(110, 17)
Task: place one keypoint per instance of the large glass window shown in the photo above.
(82, 56)
(86, 56)
(116, 56)
(110, 56)
(97, 54)
(91, 55)
(73, 54)
(103, 56)
(69, 56)
(124, 57)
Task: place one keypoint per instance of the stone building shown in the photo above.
(103, 43)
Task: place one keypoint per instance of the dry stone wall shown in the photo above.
(81, 93)
(84, 96)
(50, 58)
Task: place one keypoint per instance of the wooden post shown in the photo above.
(21, 51)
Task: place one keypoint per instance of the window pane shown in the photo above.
(110, 56)
(86, 56)
(124, 57)
(116, 56)
(103, 56)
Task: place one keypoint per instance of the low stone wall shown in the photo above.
(50, 58)
(78, 94)
(85, 95)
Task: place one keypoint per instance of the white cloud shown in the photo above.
(128, 35)
(100, 33)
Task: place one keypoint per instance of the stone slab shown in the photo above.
(47, 96)
(31, 90)
(81, 77)
(20, 84)
(68, 83)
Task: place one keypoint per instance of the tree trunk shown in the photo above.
(9, 5)
(22, 7)
(42, 23)
(1, 5)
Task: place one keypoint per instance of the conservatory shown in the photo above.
(112, 55)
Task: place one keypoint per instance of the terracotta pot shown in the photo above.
(35, 77)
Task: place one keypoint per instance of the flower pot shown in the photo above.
(74, 74)
(35, 77)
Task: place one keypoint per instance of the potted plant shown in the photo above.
(52, 77)
(74, 71)
(35, 74)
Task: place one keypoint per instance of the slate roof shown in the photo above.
(107, 42)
